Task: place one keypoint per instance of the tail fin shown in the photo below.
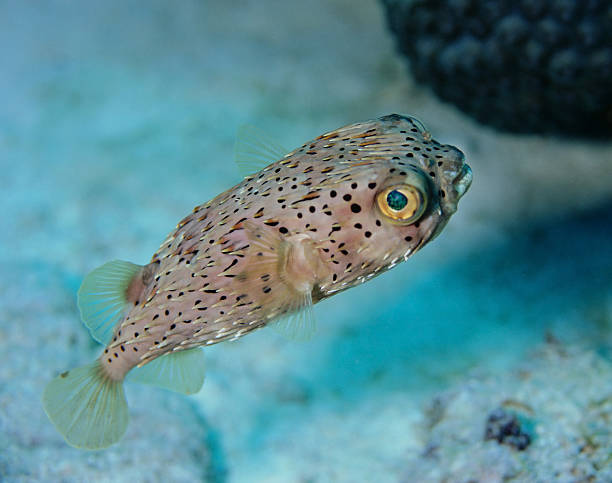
(87, 407)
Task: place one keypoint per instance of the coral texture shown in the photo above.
(523, 66)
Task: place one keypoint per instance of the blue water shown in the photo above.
(118, 117)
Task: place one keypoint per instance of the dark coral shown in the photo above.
(532, 66)
(505, 427)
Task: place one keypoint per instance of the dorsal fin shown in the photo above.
(179, 371)
(254, 150)
(103, 297)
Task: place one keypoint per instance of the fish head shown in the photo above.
(410, 186)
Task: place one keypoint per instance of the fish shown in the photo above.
(327, 216)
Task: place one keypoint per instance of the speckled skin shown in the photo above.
(305, 226)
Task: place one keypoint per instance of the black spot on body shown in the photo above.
(347, 197)
(355, 208)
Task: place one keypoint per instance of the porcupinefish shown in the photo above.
(332, 214)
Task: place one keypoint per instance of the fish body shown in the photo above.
(334, 213)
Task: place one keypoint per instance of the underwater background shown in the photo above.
(117, 118)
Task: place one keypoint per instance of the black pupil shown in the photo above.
(397, 200)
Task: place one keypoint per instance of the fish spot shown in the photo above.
(333, 193)
(122, 349)
(371, 185)
(358, 226)
(355, 208)
(408, 238)
(368, 234)
(135, 349)
(378, 223)
(266, 290)
(167, 312)
(354, 186)
(312, 209)
(283, 230)
(347, 197)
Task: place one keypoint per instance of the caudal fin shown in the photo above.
(87, 407)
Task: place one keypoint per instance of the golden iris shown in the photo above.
(403, 203)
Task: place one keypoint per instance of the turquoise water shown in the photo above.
(118, 118)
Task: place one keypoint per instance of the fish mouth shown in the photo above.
(463, 181)
(456, 187)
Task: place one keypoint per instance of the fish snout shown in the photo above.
(456, 178)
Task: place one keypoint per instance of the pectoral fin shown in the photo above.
(285, 271)
(254, 150)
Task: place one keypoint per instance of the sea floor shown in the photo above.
(119, 117)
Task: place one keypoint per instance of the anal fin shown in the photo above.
(180, 371)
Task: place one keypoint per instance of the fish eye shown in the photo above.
(402, 203)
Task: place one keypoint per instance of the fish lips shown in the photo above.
(458, 182)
